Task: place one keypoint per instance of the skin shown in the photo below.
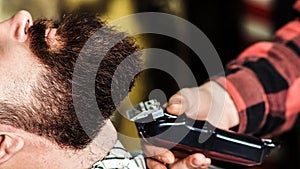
(18, 71)
(208, 102)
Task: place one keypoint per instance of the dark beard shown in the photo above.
(51, 114)
(54, 95)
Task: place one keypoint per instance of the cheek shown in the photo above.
(12, 54)
(18, 72)
(16, 59)
(6, 33)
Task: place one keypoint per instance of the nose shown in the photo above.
(20, 23)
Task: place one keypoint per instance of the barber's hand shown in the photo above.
(208, 102)
(159, 158)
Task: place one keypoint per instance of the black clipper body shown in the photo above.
(183, 134)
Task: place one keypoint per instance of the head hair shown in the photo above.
(51, 112)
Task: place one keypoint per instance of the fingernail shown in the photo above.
(174, 106)
(196, 162)
(166, 159)
(174, 100)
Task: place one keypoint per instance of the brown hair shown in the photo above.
(52, 112)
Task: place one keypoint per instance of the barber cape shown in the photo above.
(119, 158)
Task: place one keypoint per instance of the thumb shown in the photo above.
(177, 104)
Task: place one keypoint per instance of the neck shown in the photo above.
(41, 153)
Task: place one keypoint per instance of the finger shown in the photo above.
(160, 154)
(177, 104)
(153, 164)
(191, 162)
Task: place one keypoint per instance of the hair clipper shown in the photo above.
(180, 133)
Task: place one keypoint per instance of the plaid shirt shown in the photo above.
(264, 82)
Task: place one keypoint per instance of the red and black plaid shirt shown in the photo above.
(264, 82)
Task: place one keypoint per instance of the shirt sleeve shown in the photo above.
(264, 83)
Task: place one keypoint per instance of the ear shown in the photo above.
(10, 144)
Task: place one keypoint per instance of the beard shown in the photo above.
(51, 111)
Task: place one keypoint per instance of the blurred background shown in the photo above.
(230, 25)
